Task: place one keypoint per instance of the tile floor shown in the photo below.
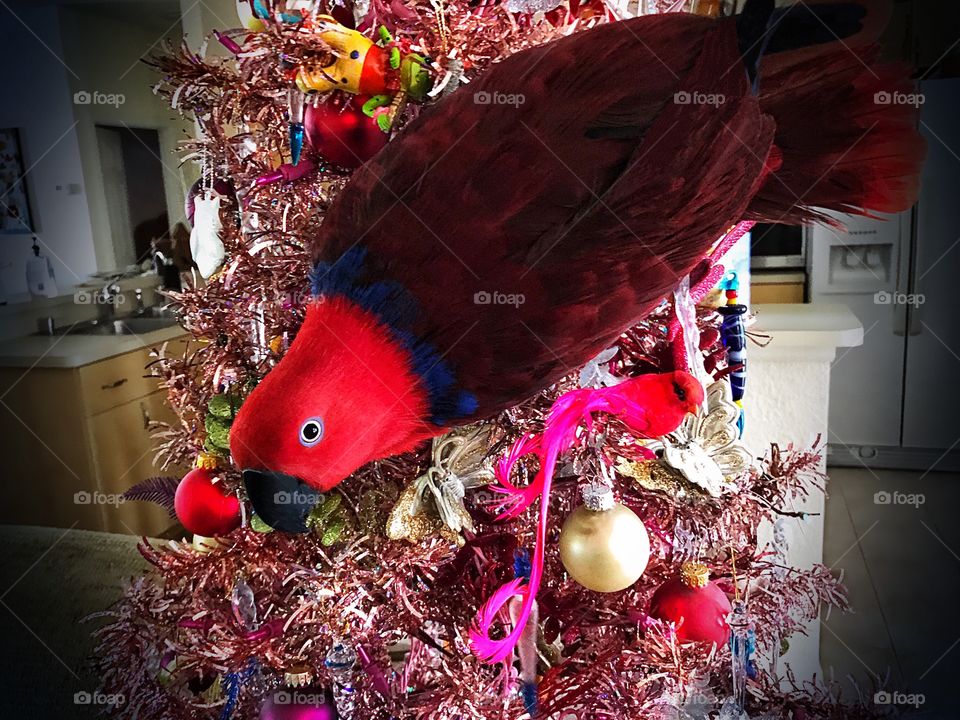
(901, 563)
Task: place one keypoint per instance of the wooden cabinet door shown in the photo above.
(123, 451)
(48, 474)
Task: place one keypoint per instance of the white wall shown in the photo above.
(200, 19)
(81, 47)
(37, 99)
(106, 53)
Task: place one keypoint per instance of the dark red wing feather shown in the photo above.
(589, 197)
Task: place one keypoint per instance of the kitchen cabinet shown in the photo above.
(77, 438)
(776, 288)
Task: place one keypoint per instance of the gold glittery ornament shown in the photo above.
(206, 461)
(432, 505)
(276, 344)
(694, 574)
(298, 676)
(409, 521)
(654, 476)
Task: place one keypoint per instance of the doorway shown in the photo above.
(134, 189)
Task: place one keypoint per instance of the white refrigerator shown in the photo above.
(895, 401)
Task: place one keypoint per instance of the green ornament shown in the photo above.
(375, 102)
(223, 407)
(330, 520)
(414, 78)
(332, 534)
(218, 432)
(329, 505)
(258, 525)
(212, 449)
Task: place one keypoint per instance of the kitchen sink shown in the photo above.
(138, 325)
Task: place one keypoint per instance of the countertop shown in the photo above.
(73, 351)
(794, 328)
(798, 330)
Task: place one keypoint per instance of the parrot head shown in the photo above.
(324, 411)
(685, 391)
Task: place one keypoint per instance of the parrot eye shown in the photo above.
(311, 432)
(680, 392)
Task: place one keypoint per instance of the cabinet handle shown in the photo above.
(114, 384)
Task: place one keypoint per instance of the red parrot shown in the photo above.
(516, 228)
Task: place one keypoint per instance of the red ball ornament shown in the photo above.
(700, 604)
(340, 133)
(203, 508)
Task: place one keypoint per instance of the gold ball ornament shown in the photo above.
(604, 549)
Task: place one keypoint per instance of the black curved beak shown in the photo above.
(282, 501)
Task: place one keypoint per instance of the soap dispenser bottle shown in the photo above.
(40, 279)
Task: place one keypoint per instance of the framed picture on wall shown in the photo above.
(14, 202)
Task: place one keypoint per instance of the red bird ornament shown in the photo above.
(651, 405)
(493, 247)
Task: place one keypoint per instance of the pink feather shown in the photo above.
(699, 291)
(517, 499)
(630, 402)
(483, 645)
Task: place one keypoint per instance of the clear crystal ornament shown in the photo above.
(531, 6)
(340, 663)
(731, 711)
(596, 372)
(244, 606)
(695, 701)
(741, 642)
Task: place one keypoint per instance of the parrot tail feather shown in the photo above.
(567, 413)
(517, 498)
(483, 645)
(846, 132)
(565, 416)
(488, 649)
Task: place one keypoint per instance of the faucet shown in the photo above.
(139, 309)
(106, 299)
(167, 270)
